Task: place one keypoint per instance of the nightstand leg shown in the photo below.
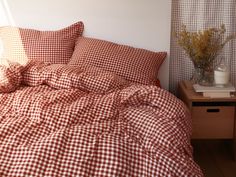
(234, 140)
(234, 149)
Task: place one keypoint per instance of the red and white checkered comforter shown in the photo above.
(128, 130)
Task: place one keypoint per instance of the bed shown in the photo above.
(77, 114)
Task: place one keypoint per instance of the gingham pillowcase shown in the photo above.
(21, 44)
(61, 76)
(10, 77)
(134, 64)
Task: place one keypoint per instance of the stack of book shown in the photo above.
(214, 91)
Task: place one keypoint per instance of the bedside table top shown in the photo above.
(187, 89)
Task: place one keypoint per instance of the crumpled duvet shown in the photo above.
(67, 124)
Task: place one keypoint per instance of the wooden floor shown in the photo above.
(215, 157)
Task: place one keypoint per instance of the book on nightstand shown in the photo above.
(214, 91)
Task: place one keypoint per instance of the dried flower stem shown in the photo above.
(204, 46)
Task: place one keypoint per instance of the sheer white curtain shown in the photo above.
(197, 15)
(5, 14)
(5, 18)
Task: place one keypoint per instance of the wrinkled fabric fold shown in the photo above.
(118, 129)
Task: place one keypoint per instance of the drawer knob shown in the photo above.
(213, 110)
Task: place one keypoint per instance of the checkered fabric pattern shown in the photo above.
(198, 15)
(134, 64)
(21, 45)
(137, 130)
(61, 76)
(10, 77)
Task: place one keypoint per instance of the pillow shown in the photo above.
(21, 44)
(134, 64)
(10, 77)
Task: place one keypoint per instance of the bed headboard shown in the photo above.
(134, 22)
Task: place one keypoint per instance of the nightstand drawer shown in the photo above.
(213, 122)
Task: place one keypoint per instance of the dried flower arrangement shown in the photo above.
(203, 46)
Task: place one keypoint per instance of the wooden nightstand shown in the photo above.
(212, 118)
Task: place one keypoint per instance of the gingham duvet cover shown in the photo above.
(82, 129)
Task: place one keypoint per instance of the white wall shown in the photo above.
(140, 23)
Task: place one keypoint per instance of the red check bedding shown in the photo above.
(67, 121)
